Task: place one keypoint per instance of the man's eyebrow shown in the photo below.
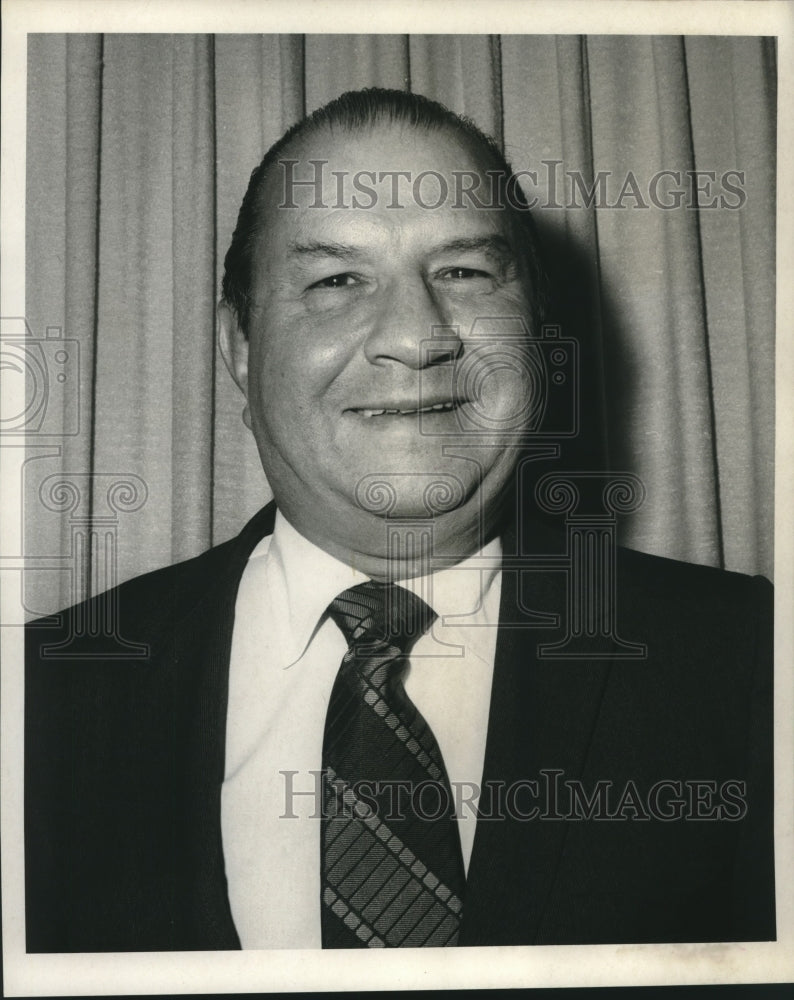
(313, 248)
(491, 243)
(496, 245)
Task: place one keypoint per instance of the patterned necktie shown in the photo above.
(392, 869)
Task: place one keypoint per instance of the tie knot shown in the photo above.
(374, 613)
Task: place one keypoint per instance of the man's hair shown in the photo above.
(353, 111)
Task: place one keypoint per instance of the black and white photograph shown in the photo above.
(397, 445)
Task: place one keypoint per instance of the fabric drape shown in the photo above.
(139, 152)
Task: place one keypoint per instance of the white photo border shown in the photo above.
(539, 966)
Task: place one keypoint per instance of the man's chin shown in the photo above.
(426, 490)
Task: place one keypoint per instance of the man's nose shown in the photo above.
(411, 327)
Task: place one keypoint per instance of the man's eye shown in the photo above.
(335, 281)
(462, 273)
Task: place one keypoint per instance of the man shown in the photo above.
(351, 728)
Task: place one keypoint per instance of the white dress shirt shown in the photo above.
(284, 659)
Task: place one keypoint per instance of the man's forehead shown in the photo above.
(383, 176)
(389, 146)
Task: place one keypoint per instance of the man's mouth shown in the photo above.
(406, 411)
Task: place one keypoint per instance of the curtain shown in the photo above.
(139, 152)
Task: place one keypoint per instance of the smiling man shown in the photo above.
(345, 732)
(347, 340)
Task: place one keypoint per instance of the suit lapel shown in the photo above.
(542, 717)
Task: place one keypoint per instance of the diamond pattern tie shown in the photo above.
(392, 869)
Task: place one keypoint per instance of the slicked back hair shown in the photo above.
(354, 111)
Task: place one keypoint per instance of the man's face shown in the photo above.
(340, 357)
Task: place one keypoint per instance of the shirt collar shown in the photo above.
(459, 590)
(306, 579)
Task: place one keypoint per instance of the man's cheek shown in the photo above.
(504, 387)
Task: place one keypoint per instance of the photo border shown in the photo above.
(540, 966)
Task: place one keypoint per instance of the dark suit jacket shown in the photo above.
(125, 760)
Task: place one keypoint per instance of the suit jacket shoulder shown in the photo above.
(125, 704)
(632, 721)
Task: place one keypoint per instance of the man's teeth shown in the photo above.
(423, 409)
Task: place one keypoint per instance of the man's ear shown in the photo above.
(234, 350)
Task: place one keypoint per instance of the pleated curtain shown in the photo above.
(139, 152)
